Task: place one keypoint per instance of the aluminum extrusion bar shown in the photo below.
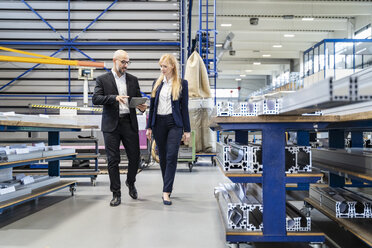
(343, 203)
(363, 80)
(322, 95)
(352, 159)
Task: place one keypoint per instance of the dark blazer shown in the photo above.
(180, 108)
(105, 94)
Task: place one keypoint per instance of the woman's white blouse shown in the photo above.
(165, 98)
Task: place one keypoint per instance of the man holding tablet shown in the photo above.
(114, 90)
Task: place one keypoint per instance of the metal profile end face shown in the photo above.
(303, 159)
(256, 157)
(255, 217)
(290, 159)
(305, 227)
(236, 216)
(290, 225)
(224, 108)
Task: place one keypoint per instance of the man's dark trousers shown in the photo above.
(129, 137)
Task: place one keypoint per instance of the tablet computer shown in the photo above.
(135, 101)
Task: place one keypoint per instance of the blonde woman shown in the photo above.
(169, 119)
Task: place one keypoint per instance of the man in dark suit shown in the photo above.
(119, 122)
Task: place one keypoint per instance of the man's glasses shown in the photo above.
(124, 62)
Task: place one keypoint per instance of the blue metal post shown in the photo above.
(189, 30)
(357, 139)
(336, 139)
(273, 187)
(241, 137)
(69, 75)
(303, 138)
(53, 166)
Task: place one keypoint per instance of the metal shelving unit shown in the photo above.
(273, 178)
(53, 161)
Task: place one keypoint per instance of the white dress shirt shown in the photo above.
(165, 98)
(121, 84)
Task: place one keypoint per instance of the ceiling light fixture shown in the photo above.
(308, 19)
(256, 63)
(242, 75)
(226, 25)
(218, 45)
(248, 70)
(238, 79)
(266, 55)
(289, 35)
(277, 46)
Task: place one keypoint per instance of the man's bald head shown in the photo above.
(119, 54)
(121, 61)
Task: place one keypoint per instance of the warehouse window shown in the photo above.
(364, 33)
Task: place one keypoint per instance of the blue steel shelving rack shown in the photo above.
(273, 158)
(273, 178)
(71, 43)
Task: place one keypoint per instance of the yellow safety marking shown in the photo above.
(66, 107)
(26, 53)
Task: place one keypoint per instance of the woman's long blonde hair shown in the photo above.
(176, 81)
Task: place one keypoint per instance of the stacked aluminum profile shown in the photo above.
(297, 221)
(343, 203)
(248, 158)
(224, 108)
(269, 106)
(242, 209)
(297, 159)
(233, 156)
(356, 159)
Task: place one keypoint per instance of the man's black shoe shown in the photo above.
(132, 190)
(115, 201)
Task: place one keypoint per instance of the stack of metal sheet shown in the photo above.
(343, 203)
(22, 152)
(22, 185)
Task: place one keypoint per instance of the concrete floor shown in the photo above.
(87, 220)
